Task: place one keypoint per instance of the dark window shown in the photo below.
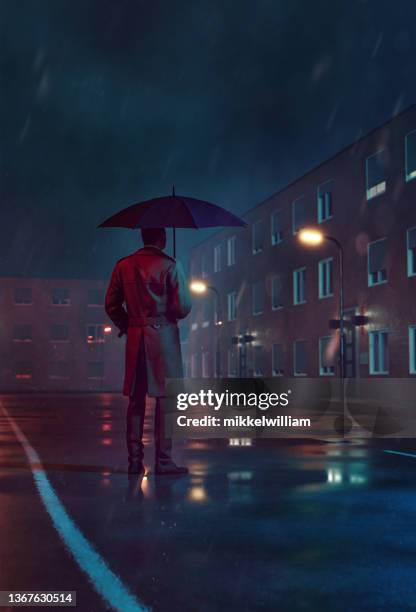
(95, 333)
(96, 297)
(258, 297)
(22, 332)
(278, 367)
(258, 366)
(23, 369)
(277, 292)
(377, 262)
(258, 236)
(299, 348)
(58, 369)
(23, 295)
(411, 156)
(325, 201)
(277, 227)
(60, 332)
(376, 174)
(60, 296)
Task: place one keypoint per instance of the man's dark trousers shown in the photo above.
(136, 415)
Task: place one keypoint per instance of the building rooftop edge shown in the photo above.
(313, 169)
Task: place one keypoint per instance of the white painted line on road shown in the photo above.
(103, 579)
(392, 452)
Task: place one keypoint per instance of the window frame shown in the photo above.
(321, 366)
(97, 339)
(231, 251)
(370, 283)
(412, 348)
(294, 202)
(254, 312)
(218, 258)
(371, 355)
(295, 275)
(321, 218)
(60, 305)
(408, 177)
(409, 229)
(274, 371)
(322, 267)
(23, 303)
(255, 250)
(234, 301)
(277, 211)
(272, 296)
(298, 374)
(378, 191)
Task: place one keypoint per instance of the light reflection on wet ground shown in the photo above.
(300, 525)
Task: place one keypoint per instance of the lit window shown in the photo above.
(379, 354)
(205, 364)
(231, 251)
(325, 278)
(410, 153)
(326, 357)
(218, 258)
(276, 225)
(298, 214)
(95, 297)
(60, 333)
(377, 262)
(375, 175)
(22, 332)
(299, 286)
(258, 365)
(258, 236)
(23, 370)
(277, 292)
(58, 370)
(325, 201)
(278, 368)
(258, 297)
(95, 333)
(299, 358)
(412, 349)
(95, 369)
(60, 296)
(411, 251)
(232, 362)
(231, 306)
(23, 295)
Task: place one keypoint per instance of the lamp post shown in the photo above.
(313, 237)
(200, 287)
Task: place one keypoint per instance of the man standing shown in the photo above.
(153, 288)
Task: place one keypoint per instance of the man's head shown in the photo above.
(154, 236)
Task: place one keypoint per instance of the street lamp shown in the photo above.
(313, 237)
(200, 287)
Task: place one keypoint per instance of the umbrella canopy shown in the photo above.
(173, 211)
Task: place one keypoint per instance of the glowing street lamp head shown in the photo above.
(198, 286)
(311, 237)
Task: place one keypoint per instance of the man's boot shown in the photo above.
(134, 434)
(164, 465)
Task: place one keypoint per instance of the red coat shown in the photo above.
(153, 288)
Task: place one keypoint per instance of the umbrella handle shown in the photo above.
(174, 242)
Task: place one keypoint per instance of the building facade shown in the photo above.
(56, 336)
(277, 297)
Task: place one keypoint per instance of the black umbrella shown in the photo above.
(173, 211)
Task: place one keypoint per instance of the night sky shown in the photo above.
(104, 103)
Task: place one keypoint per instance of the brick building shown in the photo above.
(56, 336)
(277, 296)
